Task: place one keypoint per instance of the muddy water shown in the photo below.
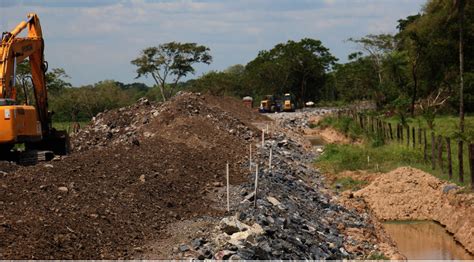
(425, 240)
(316, 141)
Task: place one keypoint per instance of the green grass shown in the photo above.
(67, 126)
(345, 125)
(446, 125)
(378, 155)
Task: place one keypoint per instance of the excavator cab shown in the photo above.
(26, 124)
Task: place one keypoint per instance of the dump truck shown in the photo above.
(289, 104)
(269, 104)
(27, 123)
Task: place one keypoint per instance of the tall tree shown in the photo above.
(460, 6)
(292, 67)
(171, 59)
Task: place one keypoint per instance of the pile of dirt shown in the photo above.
(7, 167)
(145, 166)
(145, 119)
(410, 194)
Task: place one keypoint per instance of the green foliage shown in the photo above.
(81, 104)
(400, 107)
(420, 59)
(171, 59)
(228, 82)
(292, 67)
(345, 124)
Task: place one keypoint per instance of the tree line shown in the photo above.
(416, 70)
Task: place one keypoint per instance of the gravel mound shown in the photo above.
(135, 170)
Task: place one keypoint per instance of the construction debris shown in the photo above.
(138, 169)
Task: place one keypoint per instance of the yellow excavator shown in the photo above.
(28, 124)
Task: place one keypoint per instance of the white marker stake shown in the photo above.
(256, 186)
(270, 160)
(250, 157)
(228, 194)
(267, 128)
(263, 138)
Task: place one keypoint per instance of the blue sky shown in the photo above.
(96, 40)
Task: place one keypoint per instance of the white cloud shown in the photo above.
(97, 42)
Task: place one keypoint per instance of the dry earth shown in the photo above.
(410, 194)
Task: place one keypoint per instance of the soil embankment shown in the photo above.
(403, 194)
(411, 194)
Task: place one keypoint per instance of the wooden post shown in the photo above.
(372, 124)
(390, 129)
(401, 133)
(256, 186)
(398, 132)
(433, 160)
(361, 122)
(471, 164)
(461, 161)
(408, 136)
(270, 160)
(413, 136)
(419, 137)
(263, 138)
(228, 190)
(425, 148)
(382, 125)
(440, 152)
(250, 157)
(450, 163)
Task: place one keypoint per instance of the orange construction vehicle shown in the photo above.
(26, 123)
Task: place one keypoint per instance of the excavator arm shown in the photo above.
(13, 50)
(26, 124)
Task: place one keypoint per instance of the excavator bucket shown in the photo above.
(56, 142)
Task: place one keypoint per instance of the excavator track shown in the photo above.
(33, 157)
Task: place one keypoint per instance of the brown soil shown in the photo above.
(375, 234)
(7, 167)
(330, 135)
(411, 194)
(118, 195)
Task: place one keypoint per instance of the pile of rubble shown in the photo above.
(139, 169)
(293, 217)
(131, 124)
(300, 120)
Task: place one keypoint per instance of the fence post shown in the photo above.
(471, 163)
(433, 160)
(382, 124)
(425, 148)
(450, 163)
(413, 136)
(401, 133)
(408, 136)
(228, 189)
(419, 137)
(440, 152)
(372, 124)
(390, 128)
(460, 160)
